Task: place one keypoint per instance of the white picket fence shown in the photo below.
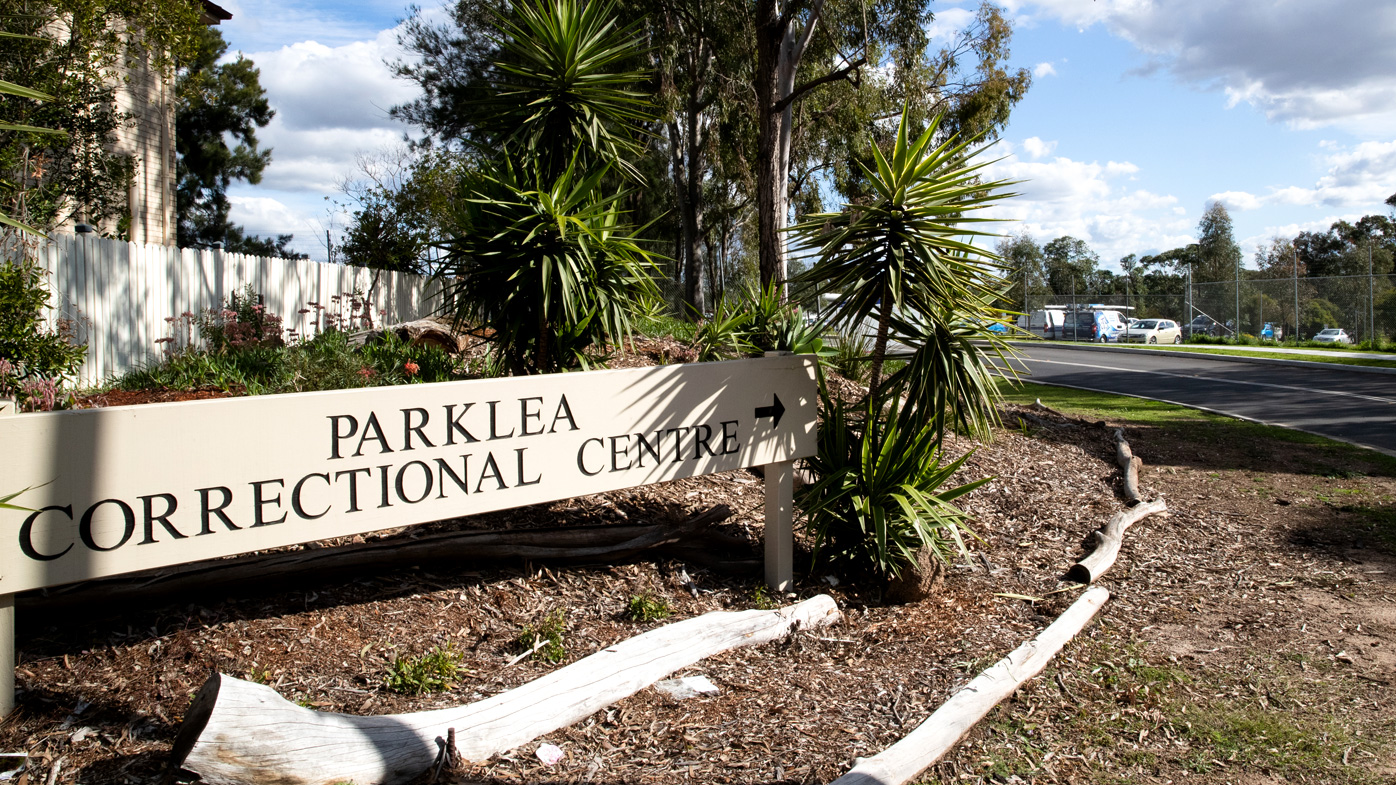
(120, 293)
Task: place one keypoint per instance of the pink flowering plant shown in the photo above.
(243, 322)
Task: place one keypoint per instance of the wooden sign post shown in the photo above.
(132, 488)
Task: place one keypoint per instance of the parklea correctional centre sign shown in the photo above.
(130, 488)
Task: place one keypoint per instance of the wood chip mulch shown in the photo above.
(101, 695)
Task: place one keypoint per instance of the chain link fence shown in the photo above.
(1363, 305)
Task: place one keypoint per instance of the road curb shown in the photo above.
(1091, 347)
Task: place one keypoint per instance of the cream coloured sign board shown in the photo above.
(132, 488)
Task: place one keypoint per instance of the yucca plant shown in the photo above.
(910, 250)
(906, 262)
(880, 497)
(564, 86)
(551, 270)
(723, 334)
(540, 251)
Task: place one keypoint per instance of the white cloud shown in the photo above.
(1091, 201)
(1043, 69)
(1237, 200)
(268, 217)
(948, 24)
(331, 104)
(1362, 176)
(1309, 64)
(315, 86)
(1036, 148)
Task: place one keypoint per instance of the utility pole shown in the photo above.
(1296, 294)
(1371, 300)
(1236, 331)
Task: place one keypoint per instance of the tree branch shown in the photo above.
(834, 76)
(795, 7)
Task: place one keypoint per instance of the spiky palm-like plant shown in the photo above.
(552, 271)
(562, 89)
(881, 494)
(910, 251)
(540, 251)
(905, 261)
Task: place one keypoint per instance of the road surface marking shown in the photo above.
(1212, 379)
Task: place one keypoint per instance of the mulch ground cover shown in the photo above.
(1251, 636)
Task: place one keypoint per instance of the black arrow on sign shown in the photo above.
(773, 411)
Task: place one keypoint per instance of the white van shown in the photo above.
(1044, 324)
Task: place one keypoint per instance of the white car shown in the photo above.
(1154, 331)
(1332, 335)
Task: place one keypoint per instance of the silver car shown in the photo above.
(1154, 331)
(1332, 335)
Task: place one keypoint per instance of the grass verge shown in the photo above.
(1201, 426)
(1124, 717)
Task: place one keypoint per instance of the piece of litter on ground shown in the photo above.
(832, 580)
(686, 687)
(12, 764)
(550, 754)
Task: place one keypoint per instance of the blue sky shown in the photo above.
(1141, 112)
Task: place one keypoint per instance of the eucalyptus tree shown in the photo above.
(1218, 255)
(1071, 265)
(881, 50)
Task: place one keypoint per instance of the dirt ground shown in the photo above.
(1250, 638)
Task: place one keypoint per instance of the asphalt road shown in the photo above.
(1351, 406)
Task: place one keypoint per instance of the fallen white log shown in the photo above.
(956, 717)
(1131, 465)
(239, 732)
(1108, 541)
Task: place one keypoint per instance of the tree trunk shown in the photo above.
(237, 732)
(693, 210)
(956, 717)
(770, 177)
(879, 352)
(448, 549)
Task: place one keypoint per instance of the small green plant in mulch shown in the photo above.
(761, 598)
(645, 607)
(544, 637)
(434, 671)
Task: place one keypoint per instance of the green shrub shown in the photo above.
(879, 497)
(645, 607)
(398, 362)
(724, 334)
(761, 598)
(35, 363)
(850, 355)
(665, 326)
(547, 631)
(433, 671)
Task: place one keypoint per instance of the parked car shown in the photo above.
(1097, 326)
(1205, 325)
(1332, 335)
(1272, 333)
(1153, 331)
